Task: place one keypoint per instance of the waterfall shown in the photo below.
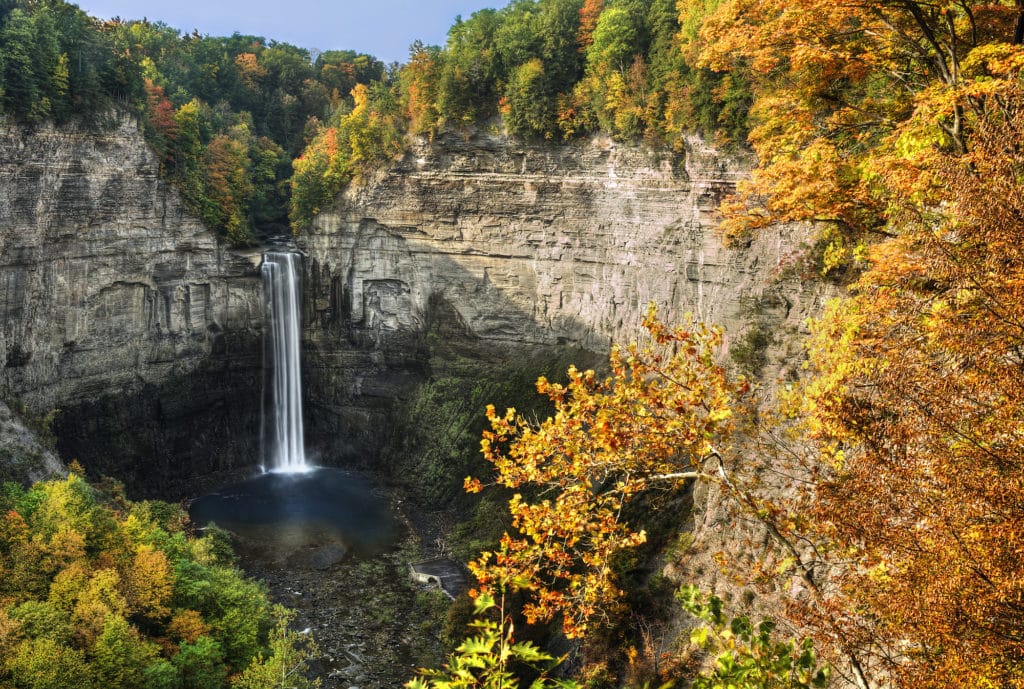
(281, 433)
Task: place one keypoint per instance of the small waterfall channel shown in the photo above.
(281, 435)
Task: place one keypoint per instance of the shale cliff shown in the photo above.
(520, 249)
(471, 252)
(119, 308)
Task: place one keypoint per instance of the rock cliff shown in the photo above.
(525, 248)
(119, 308)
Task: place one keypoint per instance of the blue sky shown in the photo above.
(384, 28)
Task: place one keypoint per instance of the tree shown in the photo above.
(842, 92)
(663, 416)
(748, 657)
(924, 393)
(615, 41)
(471, 69)
(529, 110)
(45, 664)
(121, 656)
(149, 584)
(419, 83)
(22, 88)
(201, 664)
(898, 122)
(285, 665)
(227, 183)
(487, 660)
(589, 14)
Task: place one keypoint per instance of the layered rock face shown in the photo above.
(523, 247)
(118, 307)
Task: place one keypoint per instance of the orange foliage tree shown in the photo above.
(664, 415)
(922, 409)
(844, 92)
(902, 121)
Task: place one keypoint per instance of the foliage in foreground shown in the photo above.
(665, 415)
(487, 660)
(97, 591)
(897, 125)
(745, 656)
(659, 419)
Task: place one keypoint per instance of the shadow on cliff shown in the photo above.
(172, 439)
(397, 374)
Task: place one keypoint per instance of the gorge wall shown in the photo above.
(495, 246)
(119, 308)
(470, 253)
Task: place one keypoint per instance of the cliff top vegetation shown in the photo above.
(229, 117)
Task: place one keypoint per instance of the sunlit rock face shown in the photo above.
(515, 247)
(120, 308)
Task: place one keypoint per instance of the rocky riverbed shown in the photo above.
(372, 624)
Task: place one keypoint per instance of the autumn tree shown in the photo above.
(898, 123)
(420, 81)
(843, 92)
(589, 14)
(664, 415)
(227, 182)
(368, 134)
(101, 592)
(918, 409)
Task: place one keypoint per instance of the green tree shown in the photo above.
(46, 664)
(201, 664)
(468, 88)
(529, 107)
(22, 88)
(42, 619)
(284, 666)
(121, 656)
(745, 656)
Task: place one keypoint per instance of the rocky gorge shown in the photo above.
(441, 282)
(516, 251)
(144, 329)
(120, 309)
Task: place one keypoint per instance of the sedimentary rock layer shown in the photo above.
(116, 300)
(526, 246)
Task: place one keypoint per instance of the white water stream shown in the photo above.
(282, 433)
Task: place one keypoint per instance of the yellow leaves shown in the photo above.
(720, 414)
(607, 441)
(150, 584)
(993, 60)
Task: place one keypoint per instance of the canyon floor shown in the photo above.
(373, 626)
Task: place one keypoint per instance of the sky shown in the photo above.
(382, 28)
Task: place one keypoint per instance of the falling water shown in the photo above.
(282, 435)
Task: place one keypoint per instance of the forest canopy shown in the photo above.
(257, 133)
